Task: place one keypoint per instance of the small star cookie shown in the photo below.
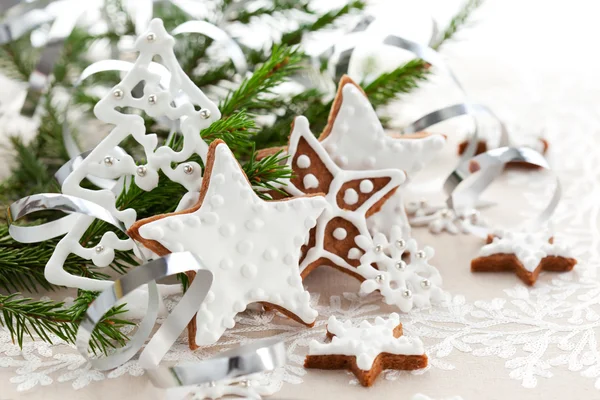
(250, 245)
(352, 196)
(367, 349)
(525, 253)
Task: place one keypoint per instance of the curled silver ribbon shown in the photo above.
(484, 168)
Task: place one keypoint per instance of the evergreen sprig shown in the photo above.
(458, 21)
(25, 317)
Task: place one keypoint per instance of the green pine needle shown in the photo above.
(457, 22)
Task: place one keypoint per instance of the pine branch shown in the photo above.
(390, 86)
(283, 62)
(267, 172)
(277, 6)
(45, 319)
(457, 22)
(17, 59)
(294, 37)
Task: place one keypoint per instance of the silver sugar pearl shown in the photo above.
(400, 265)
(379, 278)
(425, 283)
(188, 169)
(445, 213)
(378, 248)
(401, 243)
(407, 293)
(108, 160)
(204, 113)
(117, 94)
(421, 254)
(99, 248)
(151, 37)
(152, 99)
(212, 384)
(245, 383)
(141, 170)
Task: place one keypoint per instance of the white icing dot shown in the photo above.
(258, 294)
(370, 162)
(281, 205)
(210, 297)
(310, 222)
(219, 179)
(217, 200)
(298, 241)
(259, 207)
(174, 224)
(340, 233)
(209, 218)
(192, 220)
(310, 181)
(249, 271)
(297, 204)
(270, 254)
(342, 161)
(245, 247)
(354, 253)
(288, 259)
(226, 264)
(294, 280)
(303, 161)
(228, 323)
(239, 306)
(350, 196)
(245, 193)
(227, 230)
(366, 186)
(254, 224)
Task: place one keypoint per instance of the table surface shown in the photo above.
(535, 64)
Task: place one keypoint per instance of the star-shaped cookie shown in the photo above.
(367, 349)
(355, 140)
(526, 253)
(352, 196)
(250, 245)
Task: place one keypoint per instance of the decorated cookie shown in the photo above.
(405, 284)
(355, 140)
(525, 253)
(352, 195)
(441, 219)
(367, 349)
(250, 245)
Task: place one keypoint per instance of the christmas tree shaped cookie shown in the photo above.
(250, 245)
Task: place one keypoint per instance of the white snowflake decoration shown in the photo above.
(406, 285)
(441, 219)
(104, 162)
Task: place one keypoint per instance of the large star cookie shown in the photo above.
(367, 349)
(525, 253)
(251, 246)
(352, 196)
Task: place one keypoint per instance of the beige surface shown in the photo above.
(531, 61)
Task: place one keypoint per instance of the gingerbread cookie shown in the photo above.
(355, 140)
(250, 245)
(525, 253)
(367, 349)
(352, 195)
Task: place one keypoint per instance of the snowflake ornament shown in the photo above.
(441, 219)
(405, 284)
(194, 113)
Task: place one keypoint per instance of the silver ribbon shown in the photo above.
(483, 169)
(245, 360)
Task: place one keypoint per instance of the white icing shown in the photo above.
(340, 233)
(158, 158)
(396, 281)
(366, 186)
(303, 161)
(366, 341)
(529, 247)
(310, 181)
(390, 215)
(350, 196)
(357, 217)
(354, 253)
(359, 139)
(257, 265)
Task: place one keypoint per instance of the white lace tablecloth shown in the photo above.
(536, 64)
